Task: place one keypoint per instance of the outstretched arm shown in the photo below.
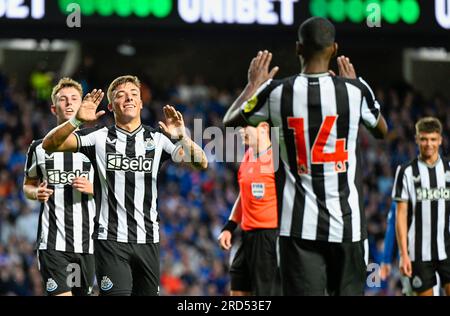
(258, 73)
(61, 138)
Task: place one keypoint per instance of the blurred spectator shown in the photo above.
(27, 224)
(41, 81)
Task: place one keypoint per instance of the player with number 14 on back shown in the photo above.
(319, 188)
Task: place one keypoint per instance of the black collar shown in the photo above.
(129, 133)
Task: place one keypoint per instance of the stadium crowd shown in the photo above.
(193, 206)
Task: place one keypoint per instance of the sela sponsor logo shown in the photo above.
(106, 284)
(432, 194)
(115, 162)
(64, 177)
(51, 285)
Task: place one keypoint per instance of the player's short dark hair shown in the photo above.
(316, 33)
(428, 125)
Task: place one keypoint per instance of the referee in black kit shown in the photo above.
(319, 184)
(126, 159)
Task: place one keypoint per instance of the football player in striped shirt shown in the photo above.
(388, 255)
(422, 191)
(127, 158)
(323, 230)
(62, 182)
(254, 270)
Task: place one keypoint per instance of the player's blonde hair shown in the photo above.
(119, 81)
(428, 125)
(66, 82)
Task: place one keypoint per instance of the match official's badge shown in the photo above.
(106, 284)
(417, 282)
(51, 285)
(258, 190)
(149, 144)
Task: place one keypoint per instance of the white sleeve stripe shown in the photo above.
(394, 186)
(368, 87)
(78, 141)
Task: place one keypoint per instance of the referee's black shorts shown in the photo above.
(254, 267)
(322, 268)
(64, 272)
(125, 269)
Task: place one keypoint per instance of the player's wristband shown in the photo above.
(230, 226)
(74, 122)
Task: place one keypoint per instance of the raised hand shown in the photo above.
(174, 125)
(83, 185)
(88, 109)
(346, 68)
(258, 72)
(42, 193)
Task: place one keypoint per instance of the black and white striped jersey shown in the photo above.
(319, 184)
(426, 189)
(66, 220)
(126, 170)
